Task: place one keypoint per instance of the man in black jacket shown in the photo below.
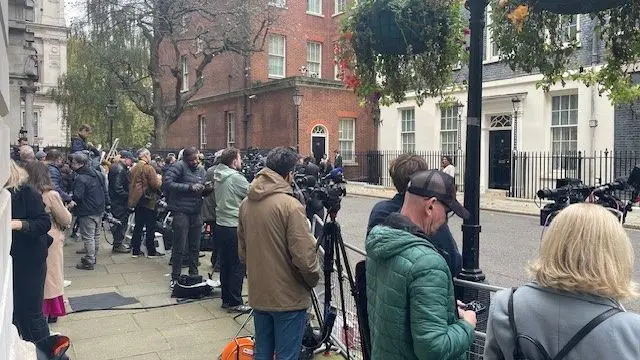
(119, 195)
(400, 171)
(54, 162)
(90, 200)
(79, 143)
(183, 184)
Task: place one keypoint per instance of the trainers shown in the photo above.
(155, 255)
(85, 265)
(172, 284)
(121, 249)
(239, 309)
(136, 253)
(66, 283)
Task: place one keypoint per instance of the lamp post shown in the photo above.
(297, 101)
(110, 110)
(458, 106)
(515, 102)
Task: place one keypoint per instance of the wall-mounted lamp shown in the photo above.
(593, 123)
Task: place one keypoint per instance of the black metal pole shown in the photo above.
(471, 227)
(110, 130)
(297, 125)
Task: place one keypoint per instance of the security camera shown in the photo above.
(252, 97)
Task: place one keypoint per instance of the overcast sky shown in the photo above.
(73, 9)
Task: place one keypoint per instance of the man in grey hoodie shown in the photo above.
(230, 187)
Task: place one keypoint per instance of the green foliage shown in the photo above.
(87, 87)
(533, 40)
(431, 40)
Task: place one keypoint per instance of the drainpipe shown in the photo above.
(595, 59)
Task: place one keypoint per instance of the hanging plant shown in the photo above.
(390, 47)
(530, 39)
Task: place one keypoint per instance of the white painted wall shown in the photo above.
(534, 118)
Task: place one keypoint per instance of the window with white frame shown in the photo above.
(564, 131)
(449, 130)
(278, 3)
(314, 58)
(185, 73)
(202, 129)
(231, 129)
(346, 139)
(408, 130)
(314, 7)
(276, 56)
(341, 6)
(491, 52)
(569, 28)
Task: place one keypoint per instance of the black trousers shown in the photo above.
(28, 296)
(187, 229)
(215, 252)
(121, 213)
(145, 218)
(231, 269)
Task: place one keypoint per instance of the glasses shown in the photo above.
(448, 212)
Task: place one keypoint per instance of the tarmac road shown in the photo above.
(507, 242)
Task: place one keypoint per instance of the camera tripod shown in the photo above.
(335, 253)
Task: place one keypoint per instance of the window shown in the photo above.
(276, 56)
(314, 58)
(564, 131)
(340, 6)
(491, 52)
(314, 7)
(346, 139)
(408, 132)
(231, 128)
(449, 130)
(569, 27)
(36, 122)
(185, 73)
(278, 3)
(202, 128)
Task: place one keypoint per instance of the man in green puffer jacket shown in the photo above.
(412, 310)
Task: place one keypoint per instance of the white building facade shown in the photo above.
(32, 109)
(529, 136)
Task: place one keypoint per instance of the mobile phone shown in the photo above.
(475, 306)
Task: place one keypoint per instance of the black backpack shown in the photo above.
(519, 355)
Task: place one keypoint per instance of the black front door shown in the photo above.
(500, 159)
(318, 145)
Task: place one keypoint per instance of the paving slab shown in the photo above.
(202, 332)
(97, 327)
(206, 351)
(135, 267)
(141, 289)
(169, 316)
(120, 345)
(151, 356)
(97, 281)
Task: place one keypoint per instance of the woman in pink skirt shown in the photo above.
(39, 178)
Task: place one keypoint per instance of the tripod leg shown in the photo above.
(345, 325)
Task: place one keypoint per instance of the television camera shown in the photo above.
(252, 162)
(327, 191)
(570, 191)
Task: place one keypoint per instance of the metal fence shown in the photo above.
(350, 334)
(532, 171)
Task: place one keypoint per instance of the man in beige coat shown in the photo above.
(275, 242)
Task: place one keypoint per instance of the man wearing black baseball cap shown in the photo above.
(412, 309)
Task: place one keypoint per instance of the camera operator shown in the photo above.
(400, 171)
(184, 188)
(275, 243)
(119, 193)
(144, 193)
(230, 188)
(91, 200)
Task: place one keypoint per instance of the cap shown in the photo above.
(127, 155)
(435, 183)
(41, 155)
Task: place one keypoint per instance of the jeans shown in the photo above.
(145, 218)
(28, 295)
(231, 269)
(280, 333)
(187, 229)
(89, 229)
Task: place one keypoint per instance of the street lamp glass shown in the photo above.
(516, 104)
(297, 98)
(111, 108)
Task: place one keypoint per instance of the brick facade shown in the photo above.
(262, 106)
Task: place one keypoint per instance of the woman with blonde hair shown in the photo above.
(571, 310)
(39, 178)
(29, 224)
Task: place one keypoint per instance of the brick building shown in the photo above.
(248, 102)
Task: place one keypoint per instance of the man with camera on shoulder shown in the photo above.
(282, 265)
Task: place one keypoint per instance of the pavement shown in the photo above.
(492, 200)
(193, 331)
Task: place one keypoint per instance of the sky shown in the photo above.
(73, 9)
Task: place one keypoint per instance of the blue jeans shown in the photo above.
(280, 333)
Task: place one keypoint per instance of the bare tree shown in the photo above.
(144, 44)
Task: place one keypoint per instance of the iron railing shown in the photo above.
(351, 334)
(532, 171)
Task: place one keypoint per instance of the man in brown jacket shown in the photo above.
(143, 196)
(275, 242)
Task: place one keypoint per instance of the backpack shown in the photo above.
(519, 355)
(193, 287)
